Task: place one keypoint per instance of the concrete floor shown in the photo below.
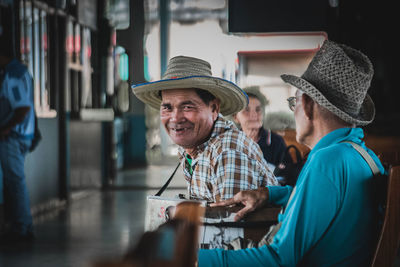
(98, 225)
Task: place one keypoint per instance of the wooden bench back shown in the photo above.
(389, 237)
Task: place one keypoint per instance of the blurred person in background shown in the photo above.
(17, 129)
(250, 120)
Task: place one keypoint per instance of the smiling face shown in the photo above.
(186, 118)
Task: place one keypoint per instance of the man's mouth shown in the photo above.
(179, 129)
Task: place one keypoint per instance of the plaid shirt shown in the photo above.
(225, 164)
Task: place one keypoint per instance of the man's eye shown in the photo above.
(188, 107)
(165, 108)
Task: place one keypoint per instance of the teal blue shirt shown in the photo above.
(329, 220)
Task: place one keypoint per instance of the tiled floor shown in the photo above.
(101, 224)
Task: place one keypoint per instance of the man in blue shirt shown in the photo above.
(329, 217)
(17, 124)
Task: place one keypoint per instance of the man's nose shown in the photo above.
(176, 115)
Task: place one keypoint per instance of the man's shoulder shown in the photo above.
(15, 69)
(333, 151)
(336, 156)
(234, 140)
(230, 136)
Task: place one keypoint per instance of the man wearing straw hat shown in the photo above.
(218, 160)
(329, 217)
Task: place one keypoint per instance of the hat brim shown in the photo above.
(364, 117)
(233, 98)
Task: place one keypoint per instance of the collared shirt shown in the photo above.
(329, 217)
(225, 164)
(16, 91)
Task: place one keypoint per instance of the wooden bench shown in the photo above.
(386, 147)
(389, 236)
(173, 244)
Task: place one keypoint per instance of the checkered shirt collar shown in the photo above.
(221, 125)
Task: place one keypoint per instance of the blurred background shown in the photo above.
(85, 55)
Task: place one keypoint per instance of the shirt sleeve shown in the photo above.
(279, 195)
(18, 89)
(308, 214)
(235, 171)
(263, 256)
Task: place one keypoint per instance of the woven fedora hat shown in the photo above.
(188, 72)
(338, 78)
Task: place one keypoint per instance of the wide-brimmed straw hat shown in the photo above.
(188, 72)
(338, 78)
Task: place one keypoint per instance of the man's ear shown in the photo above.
(215, 105)
(308, 105)
(234, 117)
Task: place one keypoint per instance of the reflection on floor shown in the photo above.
(101, 224)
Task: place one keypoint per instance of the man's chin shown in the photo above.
(182, 143)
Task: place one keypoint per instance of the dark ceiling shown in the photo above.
(369, 26)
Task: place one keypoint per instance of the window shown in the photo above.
(34, 53)
(78, 48)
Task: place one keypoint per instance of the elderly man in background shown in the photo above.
(329, 217)
(218, 160)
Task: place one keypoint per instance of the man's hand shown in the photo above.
(251, 199)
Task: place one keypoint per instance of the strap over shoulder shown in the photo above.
(167, 182)
(366, 156)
